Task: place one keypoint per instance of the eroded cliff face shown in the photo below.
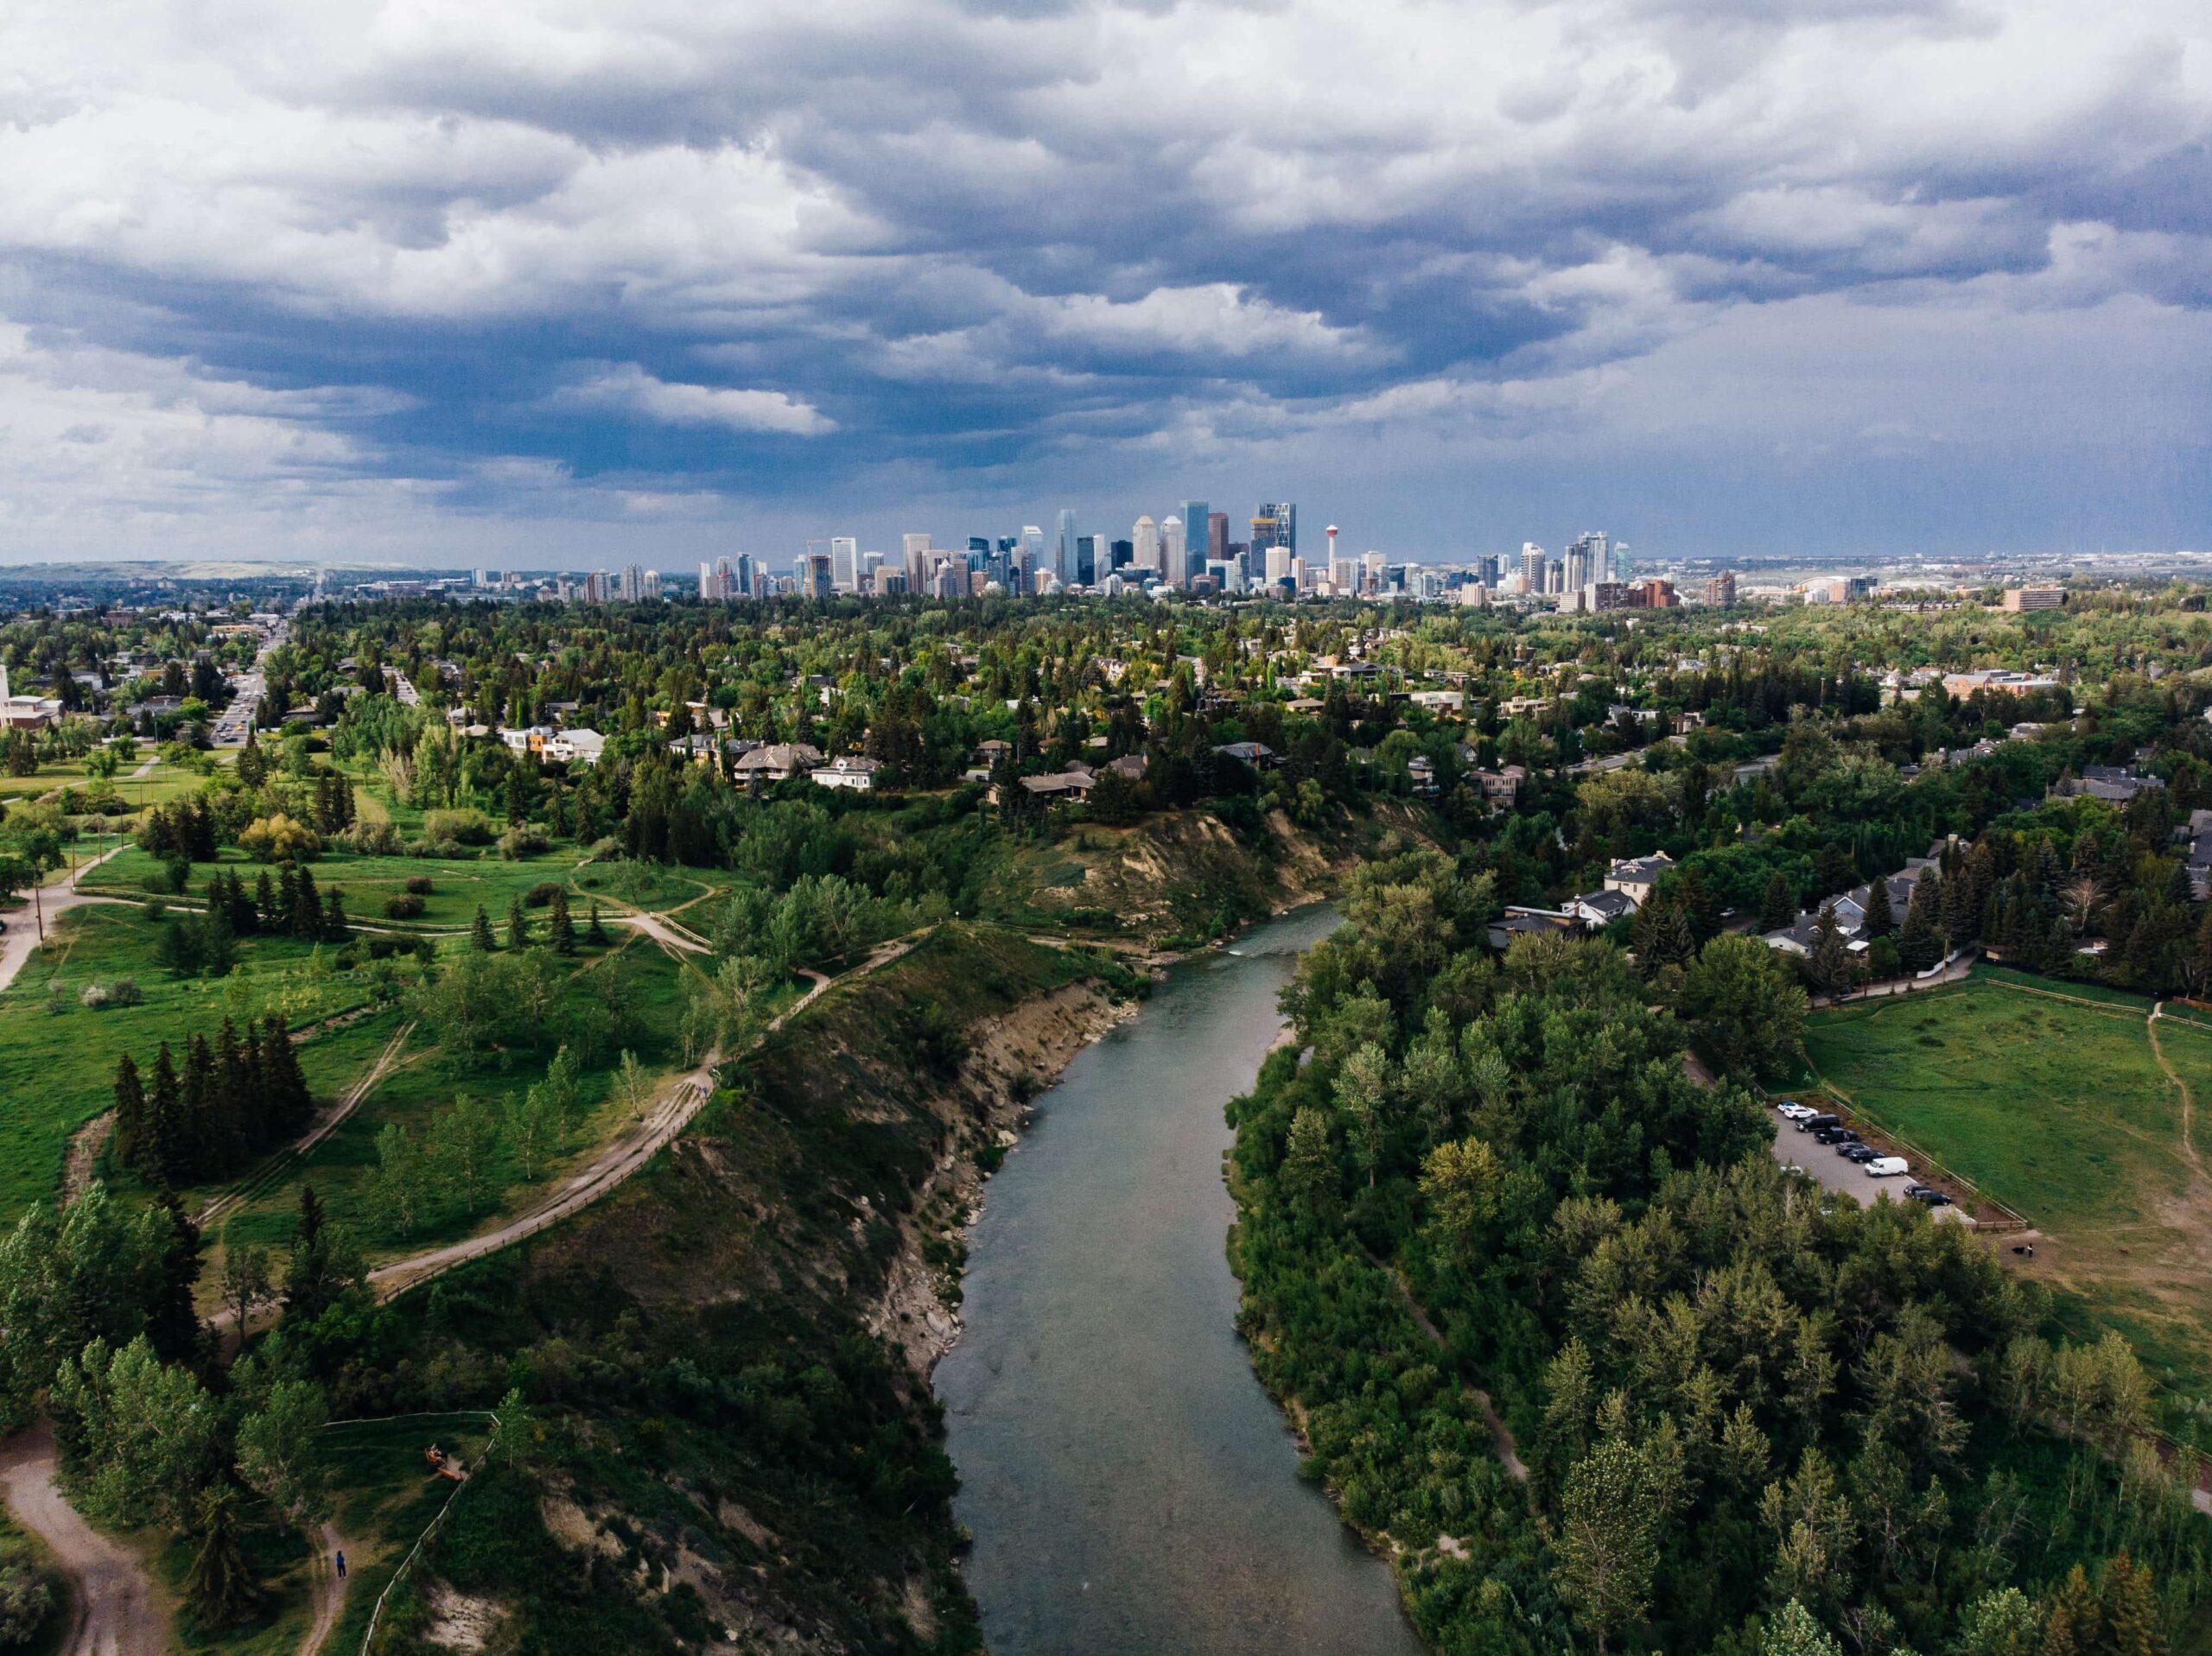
(731, 1355)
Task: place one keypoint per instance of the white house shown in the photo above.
(848, 771)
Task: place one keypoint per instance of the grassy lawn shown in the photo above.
(2061, 1110)
(57, 1067)
(424, 1083)
(457, 884)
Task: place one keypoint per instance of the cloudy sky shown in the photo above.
(581, 281)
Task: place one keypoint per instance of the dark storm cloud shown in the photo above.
(599, 260)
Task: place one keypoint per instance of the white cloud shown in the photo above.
(625, 388)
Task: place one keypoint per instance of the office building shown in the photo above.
(1218, 537)
(1091, 554)
(844, 563)
(1597, 556)
(1278, 561)
(1196, 519)
(1121, 555)
(1576, 561)
(1174, 556)
(1144, 544)
(1276, 523)
(1532, 566)
(2020, 599)
(871, 572)
(1064, 549)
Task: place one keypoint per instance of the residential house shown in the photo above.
(1634, 878)
(778, 762)
(848, 771)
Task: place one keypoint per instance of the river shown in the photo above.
(1130, 1487)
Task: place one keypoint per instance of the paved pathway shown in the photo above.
(52, 901)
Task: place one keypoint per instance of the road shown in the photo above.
(115, 1609)
(22, 934)
(233, 723)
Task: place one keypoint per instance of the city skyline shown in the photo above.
(425, 285)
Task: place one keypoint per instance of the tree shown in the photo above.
(1829, 963)
(1881, 919)
(1608, 1539)
(1779, 906)
(518, 926)
(2000, 1623)
(595, 933)
(463, 1143)
(129, 1139)
(142, 1434)
(246, 1283)
(1745, 1008)
(560, 930)
(1309, 1163)
(1794, 1633)
(1363, 1095)
(220, 1586)
(278, 1454)
(393, 1193)
(479, 932)
(534, 1128)
(634, 1086)
(1458, 1187)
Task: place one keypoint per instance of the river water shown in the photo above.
(1130, 1487)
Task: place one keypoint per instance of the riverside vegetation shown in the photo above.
(1487, 1172)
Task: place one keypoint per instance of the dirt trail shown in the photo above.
(2188, 1102)
(325, 1124)
(329, 1591)
(1501, 1435)
(615, 1164)
(115, 1609)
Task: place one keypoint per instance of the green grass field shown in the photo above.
(425, 1083)
(57, 1066)
(2058, 1107)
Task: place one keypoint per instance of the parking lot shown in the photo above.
(1832, 1172)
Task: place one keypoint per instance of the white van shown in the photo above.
(1887, 1167)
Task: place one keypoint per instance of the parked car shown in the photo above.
(1887, 1167)
(1928, 1194)
(1843, 1137)
(1815, 1123)
(1860, 1153)
(1796, 1111)
(1836, 1135)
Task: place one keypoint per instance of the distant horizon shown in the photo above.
(391, 284)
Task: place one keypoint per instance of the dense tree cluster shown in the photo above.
(231, 1102)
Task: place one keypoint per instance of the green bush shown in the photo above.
(405, 907)
(419, 884)
(461, 826)
(543, 893)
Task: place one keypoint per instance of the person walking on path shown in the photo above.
(341, 1560)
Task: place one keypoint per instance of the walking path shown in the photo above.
(22, 934)
(616, 1163)
(329, 1591)
(115, 1609)
(2188, 1102)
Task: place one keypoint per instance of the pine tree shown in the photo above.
(2130, 1608)
(235, 1107)
(1779, 906)
(479, 933)
(172, 1323)
(265, 903)
(131, 1139)
(287, 918)
(1829, 961)
(170, 1162)
(596, 934)
(518, 926)
(560, 930)
(335, 927)
(290, 1103)
(253, 1088)
(306, 918)
(1919, 947)
(1881, 919)
(220, 1586)
(216, 1147)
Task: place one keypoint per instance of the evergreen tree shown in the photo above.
(306, 918)
(233, 1106)
(2132, 1624)
(131, 1137)
(596, 934)
(518, 926)
(1779, 906)
(560, 930)
(479, 932)
(1829, 963)
(220, 1586)
(336, 929)
(270, 915)
(170, 1163)
(216, 1146)
(287, 918)
(172, 1323)
(290, 1101)
(1881, 918)
(1919, 947)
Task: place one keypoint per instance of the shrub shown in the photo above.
(124, 992)
(373, 838)
(279, 839)
(541, 893)
(94, 997)
(463, 826)
(419, 884)
(521, 841)
(436, 849)
(405, 907)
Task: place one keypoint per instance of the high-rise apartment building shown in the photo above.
(1597, 556)
(1532, 566)
(1720, 591)
(844, 563)
(1279, 560)
(1577, 562)
(816, 575)
(1174, 554)
(1196, 517)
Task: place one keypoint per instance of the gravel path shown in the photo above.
(115, 1609)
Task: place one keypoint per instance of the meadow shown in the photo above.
(2059, 1105)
